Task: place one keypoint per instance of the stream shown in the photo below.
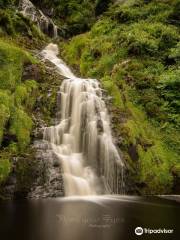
(88, 218)
(95, 206)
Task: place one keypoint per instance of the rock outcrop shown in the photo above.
(43, 22)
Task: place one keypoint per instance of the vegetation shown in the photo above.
(134, 50)
(132, 47)
(5, 168)
(74, 16)
(17, 98)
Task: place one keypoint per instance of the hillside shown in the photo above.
(132, 48)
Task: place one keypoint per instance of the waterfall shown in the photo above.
(82, 139)
(44, 23)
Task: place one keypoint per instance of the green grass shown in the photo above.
(134, 51)
(17, 98)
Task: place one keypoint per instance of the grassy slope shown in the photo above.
(22, 98)
(134, 51)
(16, 102)
(17, 97)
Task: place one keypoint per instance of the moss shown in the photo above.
(155, 158)
(74, 51)
(105, 64)
(25, 94)
(154, 170)
(175, 53)
(12, 60)
(17, 99)
(20, 97)
(87, 62)
(74, 17)
(136, 62)
(20, 94)
(103, 27)
(133, 50)
(113, 91)
(176, 170)
(26, 171)
(13, 148)
(5, 168)
(132, 82)
(13, 23)
(6, 22)
(21, 125)
(4, 115)
(48, 86)
(154, 10)
(5, 108)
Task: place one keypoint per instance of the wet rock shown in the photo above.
(50, 180)
(31, 71)
(11, 180)
(38, 133)
(133, 152)
(100, 126)
(43, 22)
(56, 163)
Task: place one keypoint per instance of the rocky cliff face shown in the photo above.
(44, 23)
(35, 173)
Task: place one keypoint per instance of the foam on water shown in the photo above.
(82, 139)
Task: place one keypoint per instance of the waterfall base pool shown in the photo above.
(88, 218)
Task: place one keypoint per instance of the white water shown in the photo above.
(82, 139)
(43, 22)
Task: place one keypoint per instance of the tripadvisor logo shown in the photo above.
(139, 231)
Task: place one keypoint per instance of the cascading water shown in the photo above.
(44, 23)
(82, 138)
